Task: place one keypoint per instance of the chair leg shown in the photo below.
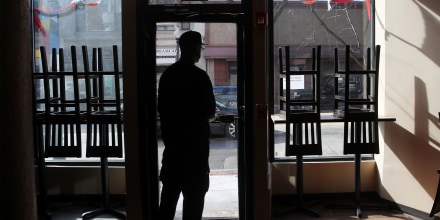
(106, 207)
(43, 210)
(357, 205)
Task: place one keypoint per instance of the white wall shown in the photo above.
(408, 30)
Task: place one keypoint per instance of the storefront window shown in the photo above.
(303, 25)
(65, 23)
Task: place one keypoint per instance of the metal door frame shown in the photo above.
(147, 94)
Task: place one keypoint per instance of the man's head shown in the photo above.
(190, 38)
(191, 44)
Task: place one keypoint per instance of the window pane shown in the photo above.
(305, 24)
(66, 23)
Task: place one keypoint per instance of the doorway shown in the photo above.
(223, 60)
(219, 60)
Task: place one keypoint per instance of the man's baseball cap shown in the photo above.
(191, 38)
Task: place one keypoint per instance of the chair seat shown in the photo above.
(63, 151)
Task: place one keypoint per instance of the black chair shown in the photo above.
(360, 113)
(104, 123)
(63, 115)
(360, 137)
(303, 123)
(57, 116)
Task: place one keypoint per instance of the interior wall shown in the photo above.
(63, 180)
(17, 187)
(408, 30)
(323, 177)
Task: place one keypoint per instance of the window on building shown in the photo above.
(305, 24)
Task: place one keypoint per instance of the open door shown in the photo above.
(223, 60)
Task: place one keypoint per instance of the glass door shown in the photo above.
(219, 60)
(223, 60)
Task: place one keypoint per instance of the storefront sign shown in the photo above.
(165, 56)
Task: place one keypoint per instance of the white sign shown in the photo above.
(166, 56)
(296, 82)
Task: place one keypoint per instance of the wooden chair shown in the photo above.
(104, 123)
(57, 117)
(63, 116)
(361, 135)
(303, 123)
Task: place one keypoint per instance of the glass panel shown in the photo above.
(305, 24)
(219, 60)
(66, 23)
(192, 2)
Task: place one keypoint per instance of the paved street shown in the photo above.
(223, 153)
(332, 135)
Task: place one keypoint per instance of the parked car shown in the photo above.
(225, 90)
(226, 111)
(224, 124)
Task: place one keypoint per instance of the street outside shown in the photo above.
(223, 153)
(223, 150)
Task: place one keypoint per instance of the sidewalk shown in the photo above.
(221, 201)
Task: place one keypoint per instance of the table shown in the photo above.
(280, 119)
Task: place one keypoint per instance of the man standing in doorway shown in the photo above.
(186, 103)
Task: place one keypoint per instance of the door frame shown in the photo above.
(147, 94)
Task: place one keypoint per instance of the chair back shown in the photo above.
(361, 134)
(302, 112)
(63, 115)
(360, 111)
(104, 111)
(303, 134)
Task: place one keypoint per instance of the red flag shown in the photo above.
(38, 24)
(368, 9)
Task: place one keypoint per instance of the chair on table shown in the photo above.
(57, 116)
(63, 115)
(303, 122)
(360, 113)
(104, 122)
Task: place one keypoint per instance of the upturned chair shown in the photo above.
(104, 122)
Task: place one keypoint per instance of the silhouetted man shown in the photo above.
(185, 103)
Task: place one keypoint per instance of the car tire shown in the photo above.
(231, 130)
